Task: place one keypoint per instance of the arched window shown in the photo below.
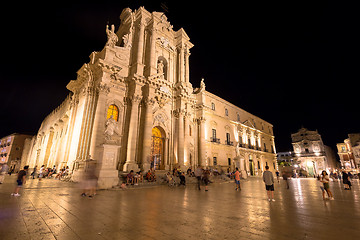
(113, 110)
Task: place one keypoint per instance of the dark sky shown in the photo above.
(293, 63)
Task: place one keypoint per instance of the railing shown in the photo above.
(229, 143)
(215, 140)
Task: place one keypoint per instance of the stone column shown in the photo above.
(99, 120)
(181, 73)
(140, 49)
(152, 57)
(181, 139)
(145, 159)
(187, 72)
(186, 140)
(202, 141)
(87, 124)
(130, 163)
(166, 152)
(242, 168)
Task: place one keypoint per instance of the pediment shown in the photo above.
(249, 124)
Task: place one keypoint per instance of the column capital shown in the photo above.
(200, 120)
(148, 101)
(134, 99)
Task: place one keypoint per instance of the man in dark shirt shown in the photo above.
(20, 181)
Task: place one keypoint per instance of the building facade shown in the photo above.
(349, 152)
(12, 148)
(133, 107)
(311, 153)
(287, 158)
(309, 150)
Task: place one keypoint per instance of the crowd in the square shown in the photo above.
(176, 177)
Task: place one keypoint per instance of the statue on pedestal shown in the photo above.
(111, 36)
(110, 128)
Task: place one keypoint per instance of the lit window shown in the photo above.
(113, 110)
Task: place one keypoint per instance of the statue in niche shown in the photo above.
(110, 128)
(160, 67)
(111, 36)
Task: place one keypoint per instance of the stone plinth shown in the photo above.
(108, 174)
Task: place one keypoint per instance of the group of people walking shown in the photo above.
(202, 176)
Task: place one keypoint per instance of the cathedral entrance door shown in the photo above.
(157, 148)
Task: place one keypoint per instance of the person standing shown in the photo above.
(237, 179)
(3, 171)
(346, 181)
(277, 176)
(34, 172)
(206, 178)
(198, 174)
(20, 181)
(41, 172)
(325, 180)
(285, 178)
(268, 179)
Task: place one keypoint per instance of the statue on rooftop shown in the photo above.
(112, 38)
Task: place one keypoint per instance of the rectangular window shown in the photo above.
(213, 106)
(214, 133)
(229, 161)
(215, 161)
(228, 137)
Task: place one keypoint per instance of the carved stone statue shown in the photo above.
(160, 67)
(110, 128)
(202, 85)
(127, 38)
(111, 36)
(237, 150)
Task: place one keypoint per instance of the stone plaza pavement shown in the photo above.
(55, 210)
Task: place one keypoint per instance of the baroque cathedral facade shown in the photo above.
(133, 107)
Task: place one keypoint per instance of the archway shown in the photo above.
(157, 148)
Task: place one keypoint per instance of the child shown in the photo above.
(237, 179)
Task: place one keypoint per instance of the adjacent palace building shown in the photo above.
(133, 107)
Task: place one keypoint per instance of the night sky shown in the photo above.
(293, 63)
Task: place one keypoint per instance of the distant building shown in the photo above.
(311, 152)
(286, 157)
(11, 150)
(349, 152)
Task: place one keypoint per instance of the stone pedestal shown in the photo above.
(78, 171)
(108, 174)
